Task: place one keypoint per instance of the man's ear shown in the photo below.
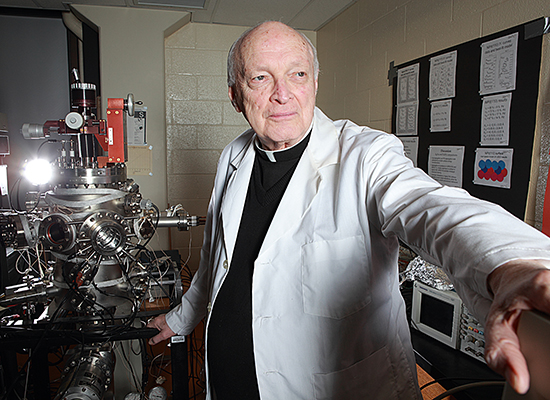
(234, 98)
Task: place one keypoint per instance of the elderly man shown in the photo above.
(298, 277)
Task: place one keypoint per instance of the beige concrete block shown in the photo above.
(334, 110)
(197, 62)
(511, 13)
(217, 136)
(358, 47)
(217, 37)
(467, 19)
(326, 36)
(332, 62)
(192, 161)
(346, 23)
(412, 49)
(180, 137)
(212, 88)
(197, 112)
(381, 125)
(388, 31)
(188, 243)
(372, 72)
(232, 117)
(473, 7)
(380, 103)
(325, 90)
(168, 111)
(190, 238)
(370, 11)
(346, 81)
(185, 37)
(193, 258)
(181, 87)
(357, 106)
(540, 192)
(544, 123)
(190, 186)
(429, 20)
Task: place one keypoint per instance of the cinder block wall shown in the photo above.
(200, 120)
(356, 48)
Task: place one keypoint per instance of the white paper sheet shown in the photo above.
(407, 119)
(495, 120)
(443, 76)
(493, 167)
(498, 65)
(445, 164)
(440, 116)
(410, 146)
(407, 100)
(407, 84)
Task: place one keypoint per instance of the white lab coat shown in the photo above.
(328, 319)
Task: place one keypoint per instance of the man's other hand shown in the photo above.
(165, 331)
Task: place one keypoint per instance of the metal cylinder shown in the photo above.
(87, 374)
(33, 131)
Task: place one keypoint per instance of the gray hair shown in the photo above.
(235, 50)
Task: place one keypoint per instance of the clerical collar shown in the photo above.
(289, 153)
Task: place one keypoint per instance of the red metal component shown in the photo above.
(115, 130)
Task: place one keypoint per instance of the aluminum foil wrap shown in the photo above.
(427, 273)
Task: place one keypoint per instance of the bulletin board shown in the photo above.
(477, 85)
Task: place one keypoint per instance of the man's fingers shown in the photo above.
(503, 353)
(507, 359)
(165, 331)
(157, 339)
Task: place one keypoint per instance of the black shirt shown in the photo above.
(232, 370)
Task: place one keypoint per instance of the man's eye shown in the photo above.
(301, 74)
(259, 78)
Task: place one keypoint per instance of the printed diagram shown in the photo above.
(493, 167)
(492, 170)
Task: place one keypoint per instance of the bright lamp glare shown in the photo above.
(38, 171)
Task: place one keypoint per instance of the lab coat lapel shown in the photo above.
(235, 195)
(322, 150)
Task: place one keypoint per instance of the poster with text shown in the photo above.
(495, 120)
(407, 84)
(498, 65)
(407, 119)
(445, 164)
(443, 76)
(493, 167)
(440, 116)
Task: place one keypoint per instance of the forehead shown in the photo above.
(275, 42)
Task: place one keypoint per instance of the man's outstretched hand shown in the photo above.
(517, 286)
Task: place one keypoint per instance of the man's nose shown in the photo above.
(281, 91)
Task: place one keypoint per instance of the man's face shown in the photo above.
(277, 92)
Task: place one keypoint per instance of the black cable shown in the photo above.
(36, 347)
(466, 387)
(123, 352)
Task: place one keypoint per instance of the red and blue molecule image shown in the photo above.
(492, 170)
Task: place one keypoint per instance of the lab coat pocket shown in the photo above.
(335, 277)
(371, 378)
